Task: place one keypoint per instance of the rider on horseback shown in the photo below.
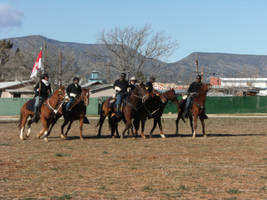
(149, 84)
(192, 92)
(73, 91)
(41, 95)
(120, 87)
(132, 84)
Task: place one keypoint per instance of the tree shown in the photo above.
(130, 48)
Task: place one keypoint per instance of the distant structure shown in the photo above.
(238, 82)
(94, 79)
(17, 89)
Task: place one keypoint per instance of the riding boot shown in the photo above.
(36, 116)
(118, 112)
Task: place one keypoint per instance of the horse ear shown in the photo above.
(142, 84)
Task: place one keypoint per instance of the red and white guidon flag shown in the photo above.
(37, 65)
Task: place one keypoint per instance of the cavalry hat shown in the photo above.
(45, 75)
(123, 75)
(133, 78)
(76, 79)
(152, 78)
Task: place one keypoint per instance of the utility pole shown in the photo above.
(60, 69)
(196, 62)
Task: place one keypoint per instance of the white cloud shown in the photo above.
(9, 17)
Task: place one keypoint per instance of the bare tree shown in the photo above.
(130, 48)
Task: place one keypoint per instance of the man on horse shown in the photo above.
(73, 91)
(42, 92)
(120, 86)
(149, 84)
(132, 84)
(192, 92)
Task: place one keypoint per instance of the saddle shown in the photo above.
(30, 105)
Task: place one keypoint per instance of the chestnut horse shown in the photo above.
(77, 112)
(27, 114)
(50, 110)
(159, 105)
(133, 105)
(197, 110)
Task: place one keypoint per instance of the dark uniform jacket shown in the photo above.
(45, 90)
(132, 87)
(149, 87)
(194, 87)
(73, 89)
(123, 84)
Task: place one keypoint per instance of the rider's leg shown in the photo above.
(118, 103)
(70, 103)
(187, 105)
(36, 110)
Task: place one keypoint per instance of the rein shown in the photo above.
(51, 108)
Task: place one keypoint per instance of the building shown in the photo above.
(17, 89)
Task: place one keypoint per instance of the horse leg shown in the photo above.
(177, 122)
(136, 124)
(143, 122)
(22, 126)
(191, 123)
(101, 122)
(29, 128)
(127, 126)
(45, 125)
(153, 128)
(203, 127)
(195, 124)
(53, 123)
(81, 127)
(62, 135)
(160, 128)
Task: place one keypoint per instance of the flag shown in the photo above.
(37, 65)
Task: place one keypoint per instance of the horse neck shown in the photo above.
(53, 101)
(202, 97)
(133, 98)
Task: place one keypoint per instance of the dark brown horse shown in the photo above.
(50, 108)
(159, 105)
(78, 112)
(197, 110)
(26, 114)
(133, 105)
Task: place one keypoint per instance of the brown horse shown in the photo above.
(133, 105)
(26, 114)
(159, 106)
(50, 109)
(78, 112)
(197, 110)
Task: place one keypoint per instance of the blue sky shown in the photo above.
(228, 26)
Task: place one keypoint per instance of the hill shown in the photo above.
(80, 59)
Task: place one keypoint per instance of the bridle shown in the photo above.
(55, 110)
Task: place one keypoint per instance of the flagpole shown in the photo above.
(40, 80)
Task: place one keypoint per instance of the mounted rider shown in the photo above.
(132, 83)
(120, 86)
(192, 92)
(149, 84)
(42, 91)
(73, 91)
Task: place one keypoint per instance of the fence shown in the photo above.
(214, 105)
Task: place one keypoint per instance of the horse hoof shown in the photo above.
(81, 138)
(45, 139)
(62, 136)
(22, 138)
(162, 136)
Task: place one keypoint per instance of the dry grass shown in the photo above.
(230, 164)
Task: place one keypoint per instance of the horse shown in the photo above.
(197, 110)
(77, 112)
(159, 105)
(132, 106)
(50, 109)
(26, 115)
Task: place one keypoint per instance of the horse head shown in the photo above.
(142, 92)
(205, 88)
(171, 95)
(60, 93)
(85, 96)
(163, 99)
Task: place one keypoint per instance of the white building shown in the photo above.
(244, 82)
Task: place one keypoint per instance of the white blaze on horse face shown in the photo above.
(21, 134)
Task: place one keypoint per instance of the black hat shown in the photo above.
(123, 75)
(45, 75)
(76, 79)
(152, 78)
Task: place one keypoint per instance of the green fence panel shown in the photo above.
(214, 105)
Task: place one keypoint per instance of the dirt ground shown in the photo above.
(231, 163)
